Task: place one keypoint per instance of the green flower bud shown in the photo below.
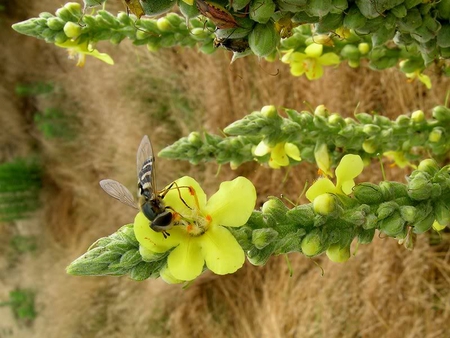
(312, 244)
(368, 193)
(420, 187)
(156, 7)
(337, 254)
(164, 25)
(70, 12)
(386, 209)
(370, 146)
(429, 166)
(364, 48)
(354, 18)
(371, 129)
(443, 36)
(274, 207)
(269, 111)
(441, 113)
(260, 257)
(322, 111)
(141, 271)
(365, 236)
(55, 23)
(424, 224)
(418, 116)
(435, 135)
(408, 213)
(393, 190)
(263, 237)
(263, 39)
(72, 30)
(318, 8)
(261, 10)
(150, 256)
(303, 215)
(442, 211)
(324, 204)
(188, 11)
(392, 225)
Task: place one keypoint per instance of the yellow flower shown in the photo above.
(322, 157)
(82, 49)
(437, 226)
(399, 159)
(310, 62)
(349, 168)
(279, 155)
(199, 235)
(417, 74)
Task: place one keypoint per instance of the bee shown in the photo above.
(150, 200)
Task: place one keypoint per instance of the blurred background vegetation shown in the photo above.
(62, 129)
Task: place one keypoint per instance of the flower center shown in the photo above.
(198, 225)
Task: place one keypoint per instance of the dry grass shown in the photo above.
(383, 291)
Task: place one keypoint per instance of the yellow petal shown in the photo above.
(233, 204)
(102, 56)
(298, 57)
(167, 277)
(190, 192)
(261, 149)
(221, 251)
(286, 58)
(189, 2)
(279, 156)
(292, 151)
(321, 186)
(314, 70)
(425, 79)
(329, 59)
(349, 168)
(155, 241)
(322, 158)
(297, 69)
(314, 50)
(186, 261)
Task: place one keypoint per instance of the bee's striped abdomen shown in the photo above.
(146, 174)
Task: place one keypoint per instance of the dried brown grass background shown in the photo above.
(384, 291)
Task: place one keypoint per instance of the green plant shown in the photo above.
(22, 304)
(20, 184)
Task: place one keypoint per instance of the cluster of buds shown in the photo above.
(322, 138)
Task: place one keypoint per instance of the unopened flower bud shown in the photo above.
(370, 146)
(392, 225)
(435, 135)
(442, 212)
(441, 113)
(164, 25)
(321, 110)
(424, 224)
(408, 213)
(167, 277)
(263, 237)
(420, 187)
(364, 48)
(336, 120)
(148, 255)
(437, 226)
(429, 166)
(324, 204)
(386, 209)
(337, 254)
(368, 193)
(312, 244)
(418, 116)
(263, 39)
(275, 207)
(269, 111)
(371, 129)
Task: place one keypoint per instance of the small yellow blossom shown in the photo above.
(322, 157)
(398, 157)
(280, 154)
(417, 74)
(349, 168)
(310, 62)
(199, 235)
(80, 50)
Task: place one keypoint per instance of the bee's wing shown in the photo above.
(118, 191)
(144, 153)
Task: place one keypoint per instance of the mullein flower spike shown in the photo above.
(201, 237)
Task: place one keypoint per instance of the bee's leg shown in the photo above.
(191, 191)
(165, 234)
